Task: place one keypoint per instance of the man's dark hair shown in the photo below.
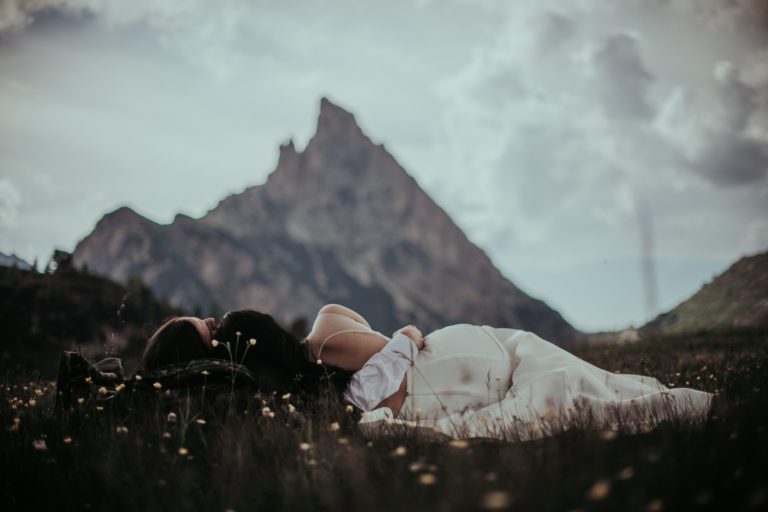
(175, 341)
(277, 352)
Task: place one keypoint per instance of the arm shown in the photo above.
(382, 375)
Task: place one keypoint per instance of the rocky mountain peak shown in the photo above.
(340, 221)
(335, 120)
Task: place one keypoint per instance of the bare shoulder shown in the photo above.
(338, 309)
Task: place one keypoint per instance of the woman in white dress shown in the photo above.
(466, 381)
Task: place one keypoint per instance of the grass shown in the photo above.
(249, 458)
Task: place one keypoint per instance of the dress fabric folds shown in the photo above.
(480, 381)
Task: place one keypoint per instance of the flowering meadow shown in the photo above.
(282, 452)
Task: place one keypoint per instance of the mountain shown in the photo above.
(342, 222)
(43, 313)
(736, 299)
(13, 261)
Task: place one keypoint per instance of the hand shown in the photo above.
(412, 332)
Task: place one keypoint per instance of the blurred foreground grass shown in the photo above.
(174, 456)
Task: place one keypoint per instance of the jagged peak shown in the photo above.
(124, 214)
(333, 118)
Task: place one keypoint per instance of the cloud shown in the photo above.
(622, 79)
(720, 134)
(10, 199)
(204, 33)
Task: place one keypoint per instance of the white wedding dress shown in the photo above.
(480, 381)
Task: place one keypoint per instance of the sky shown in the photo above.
(609, 156)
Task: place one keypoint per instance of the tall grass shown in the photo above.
(274, 452)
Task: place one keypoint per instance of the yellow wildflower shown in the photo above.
(427, 479)
(599, 491)
(496, 500)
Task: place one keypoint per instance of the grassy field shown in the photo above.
(301, 456)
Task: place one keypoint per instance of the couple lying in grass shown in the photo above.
(460, 381)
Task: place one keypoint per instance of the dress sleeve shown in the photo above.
(382, 374)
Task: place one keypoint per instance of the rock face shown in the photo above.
(340, 222)
(736, 299)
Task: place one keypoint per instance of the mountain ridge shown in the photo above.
(339, 221)
(737, 298)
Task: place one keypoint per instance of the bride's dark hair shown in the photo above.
(278, 354)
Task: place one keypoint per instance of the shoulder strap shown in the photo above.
(320, 350)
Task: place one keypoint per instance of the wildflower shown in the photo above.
(286, 396)
(349, 409)
(496, 500)
(400, 451)
(266, 411)
(599, 491)
(334, 426)
(121, 430)
(183, 451)
(304, 447)
(200, 421)
(238, 333)
(80, 401)
(137, 378)
(608, 435)
(120, 387)
(319, 361)
(459, 443)
(214, 343)
(40, 444)
(626, 474)
(166, 435)
(32, 402)
(39, 392)
(171, 417)
(291, 408)
(99, 408)
(415, 466)
(102, 390)
(157, 385)
(67, 440)
(311, 462)
(343, 441)
(252, 341)
(205, 373)
(88, 380)
(655, 506)
(427, 479)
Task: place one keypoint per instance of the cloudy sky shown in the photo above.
(557, 134)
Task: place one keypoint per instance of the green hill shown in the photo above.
(43, 313)
(736, 299)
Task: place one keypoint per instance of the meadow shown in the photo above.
(276, 452)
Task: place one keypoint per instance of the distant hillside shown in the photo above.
(736, 299)
(11, 260)
(340, 221)
(41, 314)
